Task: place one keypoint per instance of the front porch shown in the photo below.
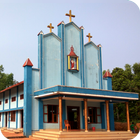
(82, 135)
(106, 98)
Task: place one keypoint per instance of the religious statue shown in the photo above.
(72, 61)
(72, 64)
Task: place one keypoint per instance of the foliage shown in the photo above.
(127, 80)
(6, 80)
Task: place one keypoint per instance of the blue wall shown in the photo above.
(100, 68)
(72, 37)
(51, 74)
(102, 115)
(107, 84)
(35, 103)
(111, 117)
(64, 112)
(61, 31)
(91, 66)
(40, 56)
(27, 129)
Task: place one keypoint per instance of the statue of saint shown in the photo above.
(72, 63)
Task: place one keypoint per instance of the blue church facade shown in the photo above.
(67, 85)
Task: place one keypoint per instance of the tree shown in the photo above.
(6, 80)
(127, 80)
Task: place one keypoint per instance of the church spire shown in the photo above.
(70, 15)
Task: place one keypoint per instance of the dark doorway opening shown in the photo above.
(73, 117)
(6, 119)
(21, 118)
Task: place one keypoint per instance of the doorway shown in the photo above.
(73, 116)
(21, 118)
(6, 119)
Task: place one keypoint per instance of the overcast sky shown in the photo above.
(115, 24)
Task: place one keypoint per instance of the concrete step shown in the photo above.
(111, 138)
(31, 137)
(95, 136)
(56, 135)
(4, 128)
(44, 137)
(50, 132)
(47, 134)
(9, 131)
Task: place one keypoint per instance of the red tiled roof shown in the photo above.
(72, 53)
(60, 23)
(107, 74)
(81, 27)
(27, 63)
(12, 86)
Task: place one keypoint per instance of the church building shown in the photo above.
(67, 85)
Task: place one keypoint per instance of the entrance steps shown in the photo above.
(81, 135)
(9, 130)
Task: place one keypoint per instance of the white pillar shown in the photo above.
(19, 118)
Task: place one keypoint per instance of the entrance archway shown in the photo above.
(73, 116)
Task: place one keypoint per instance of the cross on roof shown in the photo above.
(89, 36)
(70, 15)
(51, 27)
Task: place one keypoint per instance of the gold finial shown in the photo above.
(70, 15)
(51, 27)
(89, 37)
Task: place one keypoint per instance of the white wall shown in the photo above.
(13, 94)
(19, 118)
(20, 91)
(6, 105)
(13, 123)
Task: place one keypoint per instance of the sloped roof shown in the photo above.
(53, 34)
(91, 42)
(72, 23)
(72, 53)
(20, 83)
(107, 74)
(27, 63)
(62, 22)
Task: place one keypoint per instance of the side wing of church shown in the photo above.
(67, 85)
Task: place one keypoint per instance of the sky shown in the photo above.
(115, 24)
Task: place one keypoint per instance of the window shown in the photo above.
(13, 99)
(94, 114)
(6, 101)
(13, 116)
(0, 102)
(50, 113)
(21, 96)
(0, 117)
